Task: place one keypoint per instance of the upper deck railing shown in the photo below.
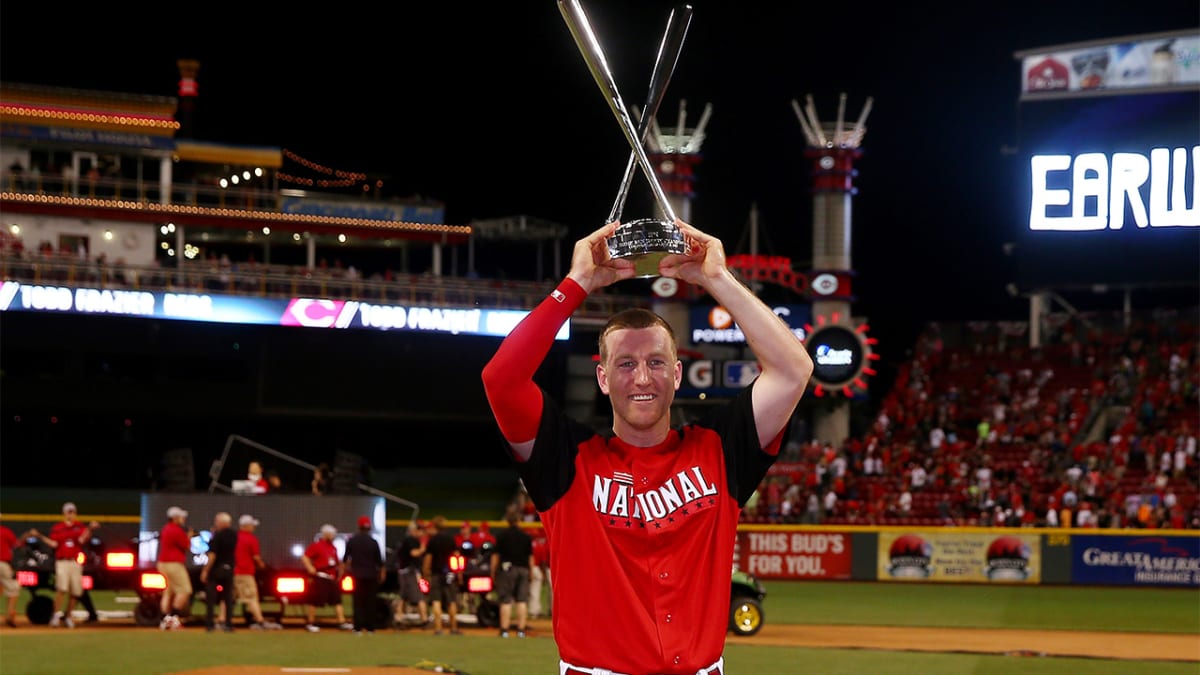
(287, 281)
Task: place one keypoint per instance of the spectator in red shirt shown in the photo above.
(174, 551)
(8, 579)
(67, 539)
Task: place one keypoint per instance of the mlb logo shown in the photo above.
(741, 373)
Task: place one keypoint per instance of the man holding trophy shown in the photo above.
(642, 518)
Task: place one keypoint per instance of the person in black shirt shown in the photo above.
(364, 564)
(408, 569)
(444, 582)
(512, 569)
(217, 574)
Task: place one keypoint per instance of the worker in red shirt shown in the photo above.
(539, 575)
(465, 540)
(483, 539)
(247, 561)
(174, 552)
(67, 539)
(326, 570)
(8, 578)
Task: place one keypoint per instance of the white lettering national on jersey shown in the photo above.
(616, 496)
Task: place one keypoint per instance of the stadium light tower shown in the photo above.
(675, 157)
(838, 343)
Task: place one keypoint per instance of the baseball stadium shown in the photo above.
(191, 326)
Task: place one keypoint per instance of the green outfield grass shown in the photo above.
(1159, 610)
(147, 651)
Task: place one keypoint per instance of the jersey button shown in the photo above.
(677, 660)
(669, 621)
(663, 575)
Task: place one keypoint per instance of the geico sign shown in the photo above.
(1100, 186)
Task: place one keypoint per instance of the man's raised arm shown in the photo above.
(786, 365)
(515, 399)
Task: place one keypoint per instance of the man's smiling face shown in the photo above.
(640, 377)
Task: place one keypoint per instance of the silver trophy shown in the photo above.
(645, 241)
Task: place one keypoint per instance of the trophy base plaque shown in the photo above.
(646, 242)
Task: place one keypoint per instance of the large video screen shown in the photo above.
(1107, 187)
(287, 523)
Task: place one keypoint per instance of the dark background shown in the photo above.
(489, 108)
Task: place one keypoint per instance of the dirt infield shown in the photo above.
(277, 670)
(1138, 646)
(1105, 645)
(1093, 644)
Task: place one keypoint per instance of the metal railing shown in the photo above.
(286, 281)
(117, 188)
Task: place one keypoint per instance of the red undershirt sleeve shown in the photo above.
(515, 399)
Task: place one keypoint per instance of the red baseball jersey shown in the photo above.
(67, 535)
(8, 541)
(323, 555)
(647, 533)
(174, 545)
(243, 555)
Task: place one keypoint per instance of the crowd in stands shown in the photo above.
(1095, 429)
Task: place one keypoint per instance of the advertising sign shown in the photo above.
(959, 557)
(1135, 561)
(837, 353)
(714, 325)
(705, 377)
(16, 296)
(794, 555)
(1159, 62)
(406, 213)
(94, 137)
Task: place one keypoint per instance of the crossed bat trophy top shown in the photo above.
(644, 241)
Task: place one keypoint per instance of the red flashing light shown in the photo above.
(153, 581)
(119, 560)
(27, 578)
(289, 585)
(347, 584)
(457, 562)
(479, 584)
(87, 582)
(423, 584)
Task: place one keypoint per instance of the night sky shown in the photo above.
(489, 108)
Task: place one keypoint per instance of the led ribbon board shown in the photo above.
(16, 296)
